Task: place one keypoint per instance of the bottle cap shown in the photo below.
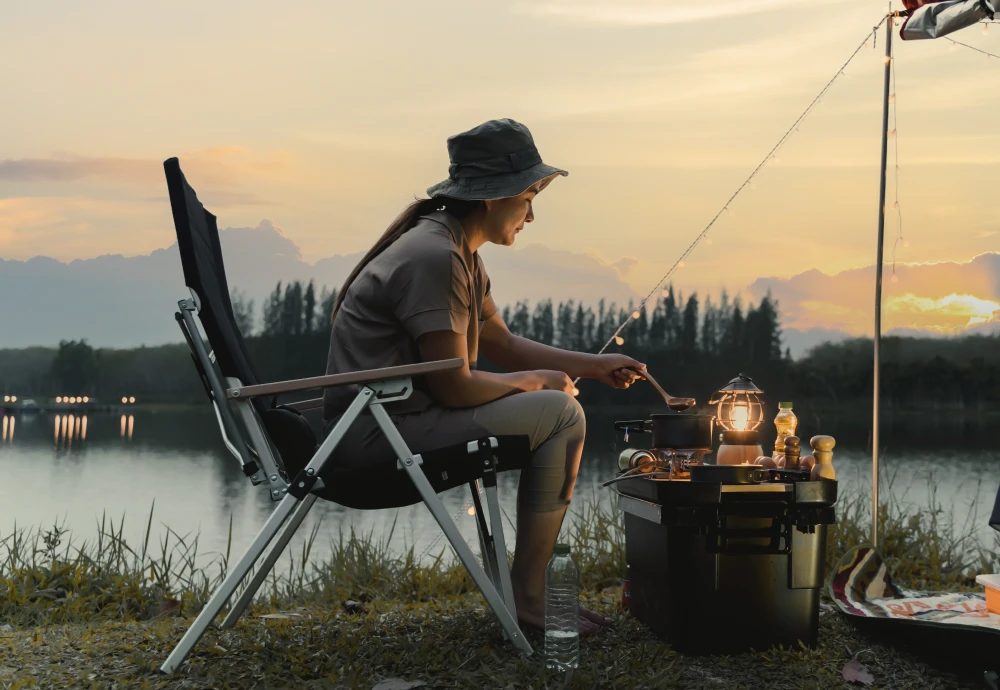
(561, 550)
(784, 406)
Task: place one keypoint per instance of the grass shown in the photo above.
(105, 613)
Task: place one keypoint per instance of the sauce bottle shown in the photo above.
(785, 422)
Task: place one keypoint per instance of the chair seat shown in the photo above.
(382, 484)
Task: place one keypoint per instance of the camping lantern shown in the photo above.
(740, 411)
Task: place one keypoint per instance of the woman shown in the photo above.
(422, 293)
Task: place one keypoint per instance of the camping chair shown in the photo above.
(276, 446)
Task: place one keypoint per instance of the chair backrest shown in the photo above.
(205, 275)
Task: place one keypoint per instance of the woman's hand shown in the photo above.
(555, 381)
(617, 371)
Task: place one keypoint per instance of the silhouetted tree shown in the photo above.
(325, 316)
(75, 367)
(271, 321)
(243, 309)
(688, 340)
(520, 321)
(309, 308)
(543, 326)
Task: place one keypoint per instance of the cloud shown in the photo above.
(76, 168)
(949, 314)
(648, 12)
(216, 167)
(625, 265)
(946, 297)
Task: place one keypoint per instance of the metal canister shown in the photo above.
(641, 460)
(625, 457)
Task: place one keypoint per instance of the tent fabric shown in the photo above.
(205, 275)
(937, 18)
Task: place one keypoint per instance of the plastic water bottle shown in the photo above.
(562, 611)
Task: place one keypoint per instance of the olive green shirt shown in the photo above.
(420, 283)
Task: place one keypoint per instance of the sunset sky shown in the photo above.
(327, 117)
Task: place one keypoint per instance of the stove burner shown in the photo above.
(676, 463)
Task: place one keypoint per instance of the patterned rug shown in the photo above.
(862, 587)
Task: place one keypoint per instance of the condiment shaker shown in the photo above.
(823, 452)
(792, 452)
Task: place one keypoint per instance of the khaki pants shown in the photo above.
(553, 421)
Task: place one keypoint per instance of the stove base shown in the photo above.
(703, 602)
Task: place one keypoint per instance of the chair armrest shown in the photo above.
(352, 377)
(303, 405)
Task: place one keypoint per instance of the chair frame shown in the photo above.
(246, 439)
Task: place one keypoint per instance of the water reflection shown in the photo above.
(68, 427)
(176, 457)
(128, 425)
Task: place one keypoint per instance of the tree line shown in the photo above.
(692, 345)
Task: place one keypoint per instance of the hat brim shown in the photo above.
(490, 187)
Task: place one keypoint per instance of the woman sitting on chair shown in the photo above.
(421, 294)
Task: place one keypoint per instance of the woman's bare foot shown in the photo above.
(533, 614)
(594, 617)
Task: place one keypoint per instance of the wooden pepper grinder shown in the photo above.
(792, 451)
(823, 452)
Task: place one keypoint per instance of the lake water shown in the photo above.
(73, 470)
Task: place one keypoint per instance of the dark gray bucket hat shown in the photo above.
(497, 159)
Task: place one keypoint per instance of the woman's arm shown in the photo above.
(466, 387)
(515, 353)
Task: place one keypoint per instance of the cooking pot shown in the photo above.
(674, 430)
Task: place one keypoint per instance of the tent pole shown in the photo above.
(878, 279)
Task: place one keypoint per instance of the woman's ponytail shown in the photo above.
(460, 208)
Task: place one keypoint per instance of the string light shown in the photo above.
(708, 240)
(895, 278)
(887, 60)
(749, 182)
(665, 292)
(955, 43)
(636, 314)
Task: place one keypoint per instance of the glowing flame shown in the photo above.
(740, 417)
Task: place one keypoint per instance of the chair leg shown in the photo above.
(285, 508)
(228, 586)
(499, 545)
(274, 553)
(486, 550)
(433, 502)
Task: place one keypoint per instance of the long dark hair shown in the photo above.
(460, 208)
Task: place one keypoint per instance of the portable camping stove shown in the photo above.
(666, 463)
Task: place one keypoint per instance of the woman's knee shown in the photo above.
(565, 411)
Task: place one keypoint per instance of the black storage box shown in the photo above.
(724, 568)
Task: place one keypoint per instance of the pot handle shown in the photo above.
(635, 425)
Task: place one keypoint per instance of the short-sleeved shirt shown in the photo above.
(419, 284)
